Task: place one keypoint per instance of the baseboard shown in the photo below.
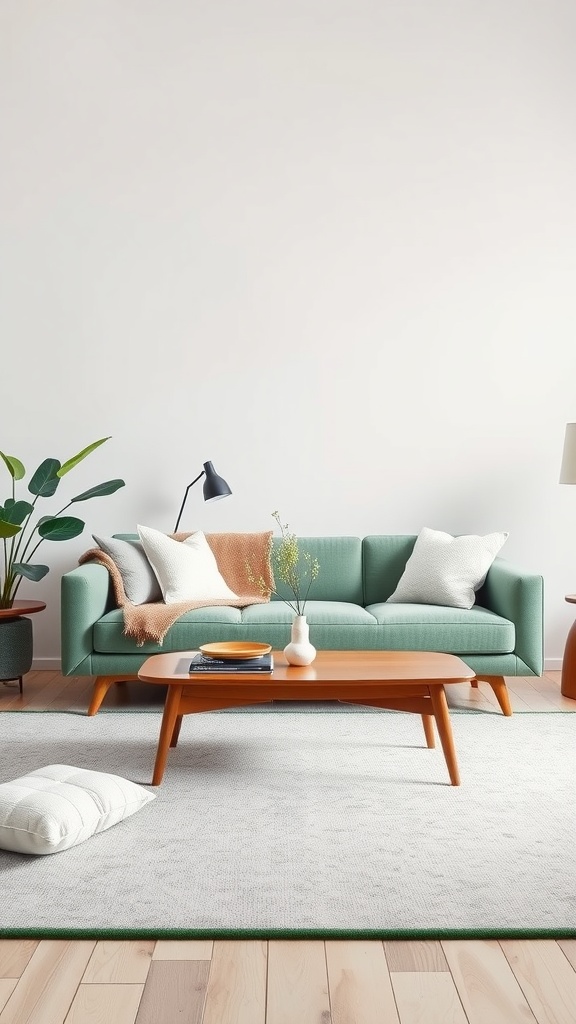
(553, 664)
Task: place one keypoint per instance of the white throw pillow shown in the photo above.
(60, 806)
(186, 570)
(446, 570)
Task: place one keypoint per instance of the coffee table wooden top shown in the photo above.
(329, 667)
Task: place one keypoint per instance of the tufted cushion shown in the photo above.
(59, 806)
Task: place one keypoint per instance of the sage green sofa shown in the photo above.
(501, 635)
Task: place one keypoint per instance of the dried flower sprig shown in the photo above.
(287, 566)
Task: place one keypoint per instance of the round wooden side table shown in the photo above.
(16, 640)
(568, 685)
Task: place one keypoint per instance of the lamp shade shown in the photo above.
(214, 486)
(568, 470)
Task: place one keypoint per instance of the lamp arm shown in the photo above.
(184, 499)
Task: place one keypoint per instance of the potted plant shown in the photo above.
(20, 538)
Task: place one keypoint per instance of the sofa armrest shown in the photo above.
(86, 594)
(518, 596)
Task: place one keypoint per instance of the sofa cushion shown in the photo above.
(384, 560)
(428, 627)
(446, 570)
(140, 583)
(340, 576)
(333, 624)
(187, 570)
(212, 624)
(335, 613)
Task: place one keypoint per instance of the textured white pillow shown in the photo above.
(60, 806)
(186, 570)
(446, 570)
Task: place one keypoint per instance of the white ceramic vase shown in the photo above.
(300, 651)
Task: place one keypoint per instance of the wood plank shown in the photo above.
(72, 697)
(486, 985)
(546, 977)
(415, 956)
(517, 701)
(236, 992)
(58, 687)
(427, 998)
(552, 691)
(14, 955)
(568, 947)
(359, 983)
(105, 1004)
(535, 699)
(34, 687)
(121, 962)
(297, 983)
(48, 984)
(555, 675)
(7, 986)
(191, 949)
(174, 991)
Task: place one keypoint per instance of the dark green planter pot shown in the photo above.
(15, 648)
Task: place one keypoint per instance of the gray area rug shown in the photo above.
(307, 825)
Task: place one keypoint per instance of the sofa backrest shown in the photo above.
(340, 560)
(340, 576)
(384, 559)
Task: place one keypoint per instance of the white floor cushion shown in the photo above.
(59, 806)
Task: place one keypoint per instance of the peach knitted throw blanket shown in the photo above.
(232, 551)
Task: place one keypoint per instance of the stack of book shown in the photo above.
(201, 663)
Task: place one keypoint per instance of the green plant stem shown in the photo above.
(14, 553)
(29, 541)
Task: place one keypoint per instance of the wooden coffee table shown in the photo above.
(398, 680)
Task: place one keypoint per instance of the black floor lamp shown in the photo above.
(214, 487)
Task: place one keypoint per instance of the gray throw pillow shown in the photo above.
(140, 583)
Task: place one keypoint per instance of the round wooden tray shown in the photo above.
(237, 650)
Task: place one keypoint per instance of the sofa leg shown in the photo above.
(500, 692)
(101, 686)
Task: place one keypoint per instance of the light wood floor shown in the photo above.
(285, 982)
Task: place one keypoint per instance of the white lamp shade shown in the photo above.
(568, 470)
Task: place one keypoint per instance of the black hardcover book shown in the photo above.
(200, 663)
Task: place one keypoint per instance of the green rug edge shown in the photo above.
(288, 933)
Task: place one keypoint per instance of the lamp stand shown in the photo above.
(184, 499)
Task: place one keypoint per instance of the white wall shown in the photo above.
(328, 244)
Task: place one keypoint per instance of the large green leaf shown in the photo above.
(8, 529)
(44, 519)
(61, 528)
(31, 572)
(15, 467)
(45, 479)
(15, 511)
(100, 490)
(81, 455)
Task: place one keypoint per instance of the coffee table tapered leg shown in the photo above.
(166, 732)
(442, 716)
(428, 723)
(176, 732)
